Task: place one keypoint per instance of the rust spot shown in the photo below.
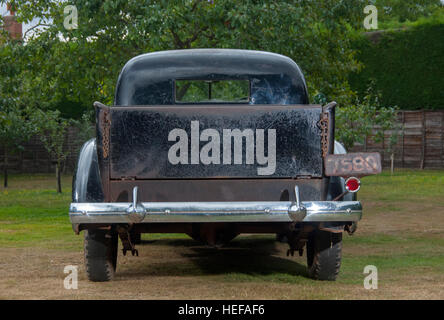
(356, 164)
(105, 123)
(323, 124)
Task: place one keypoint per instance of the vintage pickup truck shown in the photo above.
(214, 143)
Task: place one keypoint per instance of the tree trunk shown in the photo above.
(392, 162)
(59, 182)
(5, 169)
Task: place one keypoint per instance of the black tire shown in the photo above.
(324, 253)
(100, 248)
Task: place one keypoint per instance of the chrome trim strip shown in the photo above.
(254, 211)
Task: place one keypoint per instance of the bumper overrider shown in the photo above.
(249, 211)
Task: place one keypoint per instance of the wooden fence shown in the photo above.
(35, 159)
(420, 145)
(420, 142)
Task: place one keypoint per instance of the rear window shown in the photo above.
(212, 91)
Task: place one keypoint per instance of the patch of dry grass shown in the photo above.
(401, 233)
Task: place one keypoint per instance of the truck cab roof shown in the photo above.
(152, 78)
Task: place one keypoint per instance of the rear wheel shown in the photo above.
(324, 252)
(100, 248)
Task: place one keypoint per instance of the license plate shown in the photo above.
(352, 164)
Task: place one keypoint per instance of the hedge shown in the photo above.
(407, 64)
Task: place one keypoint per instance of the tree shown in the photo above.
(355, 122)
(387, 121)
(15, 129)
(52, 131)
(85, 130)
(84, 65)
(403, 10)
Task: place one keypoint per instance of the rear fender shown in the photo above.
(87, 185)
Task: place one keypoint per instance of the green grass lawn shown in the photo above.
(32, 213)
(402, 233)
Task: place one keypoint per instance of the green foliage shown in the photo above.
(400, 11)
(85, 127)
(52, 131)
(435, 16)
(408, 66)
(15, 128)
(215, 91)
(11, 81)
(352, 125)
(85, 67)
(355, 122)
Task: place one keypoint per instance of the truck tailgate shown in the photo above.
(244, 141)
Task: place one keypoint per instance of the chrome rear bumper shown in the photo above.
(252, 211)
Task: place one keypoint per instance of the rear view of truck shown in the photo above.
(215, 143)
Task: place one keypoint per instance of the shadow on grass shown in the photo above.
(240, 258)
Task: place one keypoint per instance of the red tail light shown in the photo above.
(352, 184)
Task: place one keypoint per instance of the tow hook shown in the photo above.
(126, 241)
(133, 252)
(351, 228)
(296, 244)
(290, 252)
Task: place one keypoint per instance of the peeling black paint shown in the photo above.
(139, 140)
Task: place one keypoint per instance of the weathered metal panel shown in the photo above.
(217, 190)
(352, 164)
(140, 143)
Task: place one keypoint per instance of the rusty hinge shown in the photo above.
(105, 124)
(323, 125)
